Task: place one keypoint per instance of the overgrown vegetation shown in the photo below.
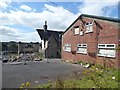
(94, 77)
(25, 85)
(40, 55)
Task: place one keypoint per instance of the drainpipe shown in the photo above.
(96, 40)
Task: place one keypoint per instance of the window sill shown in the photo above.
(88, 32)
(81, 53)
(81, 34)
(106, 56)
(67, 51)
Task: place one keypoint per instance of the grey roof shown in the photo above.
(101, 17)
(46, 34)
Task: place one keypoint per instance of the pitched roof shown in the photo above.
(46, 34)
(96, 17)
(102, 18)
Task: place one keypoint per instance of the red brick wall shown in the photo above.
(119, 45)
(104, 32)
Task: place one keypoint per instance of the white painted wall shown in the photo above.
(43, 44)
(46, 44)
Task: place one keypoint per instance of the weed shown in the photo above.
(59, 83)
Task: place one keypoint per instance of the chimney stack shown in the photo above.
(45, 26)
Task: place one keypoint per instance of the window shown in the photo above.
(67, 47)
(76, 30)
(82, 48)
(28, 46)
(81, 33)
(89, 27)
(107, 50)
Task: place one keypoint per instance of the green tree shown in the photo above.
(12, 46)
(4, 46)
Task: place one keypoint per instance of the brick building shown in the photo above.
(92, 39)
(32, 47)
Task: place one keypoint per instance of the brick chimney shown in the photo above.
(45, 26)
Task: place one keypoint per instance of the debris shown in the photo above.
(87, 65)
(5, 60)
(23, 57)
(36, 81)
(113, 78)
(25, 63)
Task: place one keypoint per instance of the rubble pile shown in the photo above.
(23, 57)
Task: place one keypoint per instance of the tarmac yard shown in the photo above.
(13, 75)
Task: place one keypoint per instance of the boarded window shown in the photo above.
(82, 48)
(106, 50)
(67, 47)
(76, 30)
(81, 33)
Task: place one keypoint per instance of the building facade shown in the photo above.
(32, 47)
(92, 39)
(7, 48)
(51, 42)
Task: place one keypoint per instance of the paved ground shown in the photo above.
(35, 72)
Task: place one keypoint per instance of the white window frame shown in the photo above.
(106, 47)
(67, 45)
(82, 46)
(76, 30)
(90, 25)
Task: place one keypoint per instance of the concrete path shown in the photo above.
(35, 72)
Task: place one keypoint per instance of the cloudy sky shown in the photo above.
(18, 20)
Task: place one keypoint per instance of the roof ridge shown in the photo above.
(102, 17)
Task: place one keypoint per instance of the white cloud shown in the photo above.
(4, 3)
(58, 18)
(30, 37)
(25, 8)
(11, 34)
(97, 7)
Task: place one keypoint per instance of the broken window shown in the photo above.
(89, 27)
(28, 46)
(82, 48)
(67, 47)
(76, 30)
(106, 50)
(81, 32)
